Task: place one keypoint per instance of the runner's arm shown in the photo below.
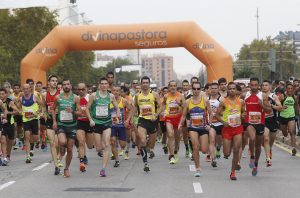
(78, 111)
(115, 103)
(88, 106)
(184, 112)
(219, 113)
(296, 105)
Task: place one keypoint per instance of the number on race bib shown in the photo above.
(197, 120)
(28, 114)
(66, 116)
(173, 109)
(254, 117)
(234, 120)
(146, 110)
(101, 111)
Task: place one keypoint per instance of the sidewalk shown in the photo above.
(287, 140)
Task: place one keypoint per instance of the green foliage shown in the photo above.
(253, 59)
(20, 31)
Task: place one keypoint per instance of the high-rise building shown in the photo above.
(159, 68)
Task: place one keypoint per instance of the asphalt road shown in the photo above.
(164, 180)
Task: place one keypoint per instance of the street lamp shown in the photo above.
(82, 13)
(72, 6)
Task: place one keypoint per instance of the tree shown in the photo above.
(20, 31)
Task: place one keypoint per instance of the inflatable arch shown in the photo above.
(134, 36)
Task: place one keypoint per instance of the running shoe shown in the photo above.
(102, 173)
(198, 174)
(218, 154)
(133, 145)
(85, 160)
(100, 153)
(121, 153)
(59, 164)
(31, 153)
(187, 153)
(56, 171)
(294, 152)
(16, 146)
(165, 148)
(5, 162)
(269, 163)
(126, 157)
(251, 163)
(28, 160)
(238, 167)
(172, 160)
(214, 163)
(66, 173)
(117, 164)
(146, 167)
(23, 148)
(254, 171)
(176, 156)
(271, 154)
(232, 176)
(82, 167)
(208, 158)
(37, 145)
(43, 145)
(152, 155)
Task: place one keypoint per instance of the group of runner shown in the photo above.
(113, 117)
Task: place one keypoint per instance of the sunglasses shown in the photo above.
(196, 88)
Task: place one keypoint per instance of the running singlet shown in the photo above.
(49, 102)
(83, 102)
(232, 112)
(289, 112)
(114, 114)
(66, 118)
(197, 114)
(255, 114)
(273, 112)
(146, 105)
(214, 104)
(100, 111)
(173, 109)
(29, 108)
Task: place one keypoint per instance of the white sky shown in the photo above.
(231, 23)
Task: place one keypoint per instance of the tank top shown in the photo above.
(66, 118)
(273, 112)
(29, 108)
(9, 117)
(100, 111)
(83, 102)
(173, 108)
(232, 112)
(289, 112)
(114, 114)
(214, 104)
(146, 105)
(197, 114)
(49, 102)
(254, 112)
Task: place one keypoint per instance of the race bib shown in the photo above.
(254, 117)
(173, 109)
(49, 107)
(101, 111)
(66, 116)
(146, 110)
(197, 120)
(28, 114)
(234, 120)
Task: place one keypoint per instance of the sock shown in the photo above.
(31, 146)
(144, 154)
(218, 148)
(170, 156)
(175, 152)
(186, 147)
(256, 164)
(190, 142)
(81, 160)
(252, 157)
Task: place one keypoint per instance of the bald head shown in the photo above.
(82, 89)
(26, 89)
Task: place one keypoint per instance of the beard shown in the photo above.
(67, 90)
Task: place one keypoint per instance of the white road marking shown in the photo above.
(192, 168)
(40, 167)
(197, 188)
(6, 184)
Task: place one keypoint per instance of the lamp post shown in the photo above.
(82, 13)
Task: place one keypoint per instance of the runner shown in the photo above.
(99, 115)
(118, 125)
(229, 113)
(147, 124)
(65, 123)
(84, 133)
(198, 126)
(287, 115)
(31, 107)
(185, 133)
(271, 121)
(8, 132)
(162, 121)
(222, 87)
(110, 79)
(215, 132)
(48, 100)
(173, 107)
(257, 104)
(19, 134)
